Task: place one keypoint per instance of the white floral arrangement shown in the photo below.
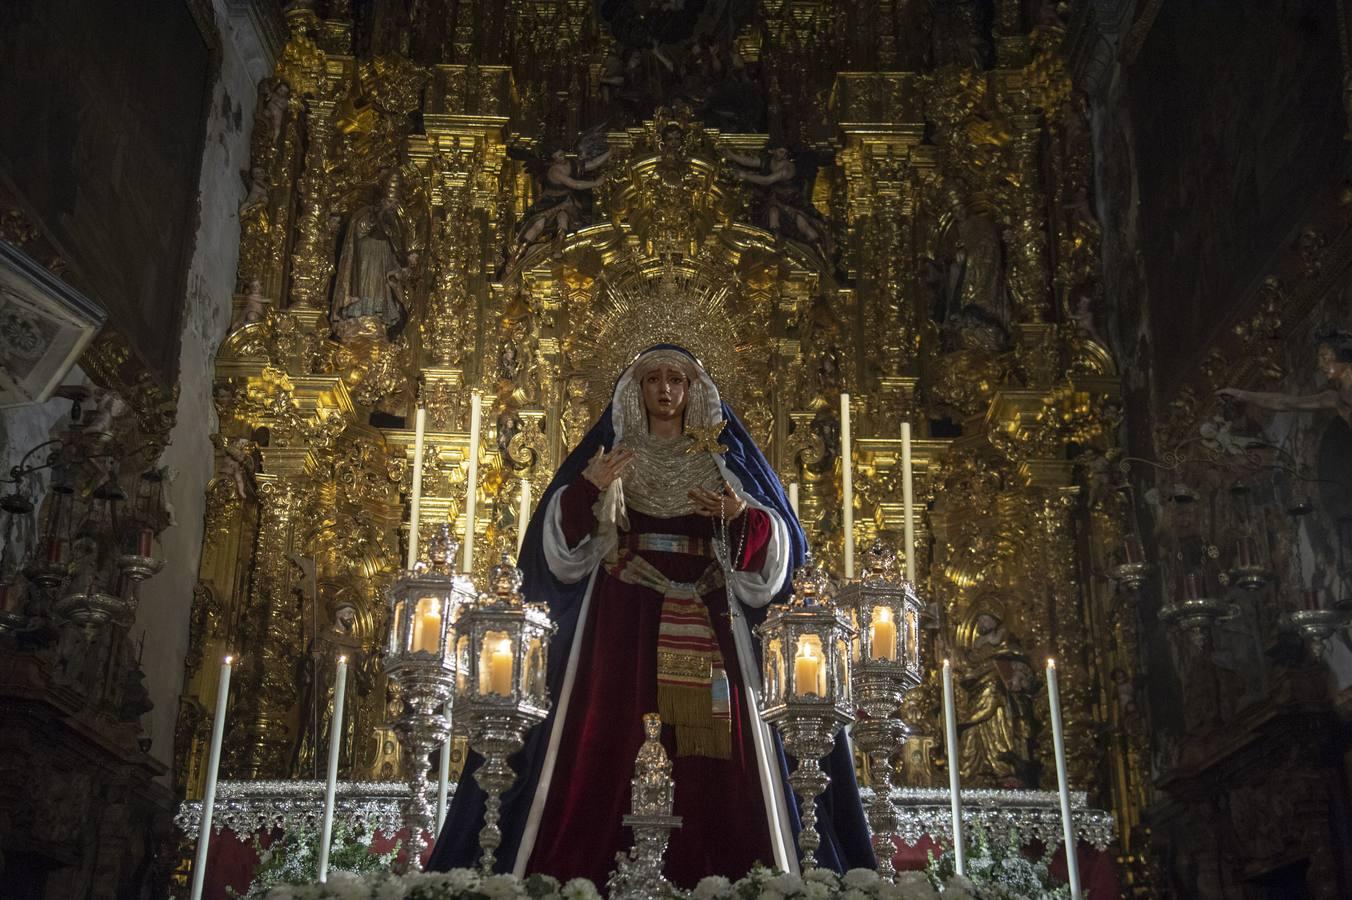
(759, 884)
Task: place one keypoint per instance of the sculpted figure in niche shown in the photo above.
(785, 210)
(970, 295)
(565, 200)
(996, 713)
(316, 677)
(378, 253)
(1333, 358)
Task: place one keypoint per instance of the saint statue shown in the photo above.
(1333, 358)
(997, 716)
(657, 547)
(377, 256)
(316, 678)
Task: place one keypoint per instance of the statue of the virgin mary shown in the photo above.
(657, 547)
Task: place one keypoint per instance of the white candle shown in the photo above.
(476, 413)
(444, 773)
(500, 669)
(419, 429)
(331, 785)
(954, 791)
(908, 501)
(1062, 787)
(793, 497)
(847, 482)
(522, 516)
(199, 868)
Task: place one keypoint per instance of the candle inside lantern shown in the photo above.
(56, 551)
(199, 868)
(1310, 598)
(476, 413)
(1062, 782)
(427, 625)
(847, 482)
(145, 542)
(809, 671)
(907, 501)
(500, 668)
(419, 434)
(793, 497)
(883, 634)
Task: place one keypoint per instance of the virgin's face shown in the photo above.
(665, 391)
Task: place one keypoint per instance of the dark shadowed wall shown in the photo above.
(1239, 127)
(102, 110)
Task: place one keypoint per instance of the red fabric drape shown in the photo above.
(724, 829)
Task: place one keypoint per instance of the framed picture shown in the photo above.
(44, 326)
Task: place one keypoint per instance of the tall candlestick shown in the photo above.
(847, 482)
(331, 786)
(199, 867)
(419, 430)
(476, 413)
(908, 501)
(793, 497)
(1062, 787)
(951, 751)
(444, 773)
(522, 516)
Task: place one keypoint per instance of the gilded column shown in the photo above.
(1029, 263)
(312, 262)
(268, 636)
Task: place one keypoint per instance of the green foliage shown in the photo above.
(293, 859)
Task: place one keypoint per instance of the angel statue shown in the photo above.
(784, 208)
(1333, 359)
(565, 201)
(657, 548)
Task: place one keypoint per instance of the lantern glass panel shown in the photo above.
(462, 658)
(883, 634)
(427, 624)
(809, 667)
(398, 634)
(857, 642)
(533, 678)
(842, 661)
(774, 671)
(912, 636)
(495, 664)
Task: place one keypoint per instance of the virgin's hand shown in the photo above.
(717, 505)
(603, 468)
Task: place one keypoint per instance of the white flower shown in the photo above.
(815, 890)
(580, 889)
(785, 883)
(769, 893)
(712, 887)
(821, 876)
(913, 886)
(462, 880)
(501, 887)
(854, 894)
(861, 879)
(959, 887)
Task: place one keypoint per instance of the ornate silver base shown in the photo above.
(91, 610)
(1130, 575)
(496, 735)
(1250, 578)
(1317, 625)
(809, 738)
(1196, 616)
(422, 729)
(638, 873)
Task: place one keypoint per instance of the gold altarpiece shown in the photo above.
(959, 296)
